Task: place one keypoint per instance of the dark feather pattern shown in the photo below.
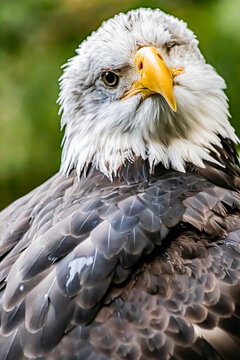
(144, 267)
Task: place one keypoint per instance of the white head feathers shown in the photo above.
(104, 130)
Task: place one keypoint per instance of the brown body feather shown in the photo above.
(144, 267)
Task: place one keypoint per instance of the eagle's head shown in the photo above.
(140, 87)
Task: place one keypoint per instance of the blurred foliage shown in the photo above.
(37, 37)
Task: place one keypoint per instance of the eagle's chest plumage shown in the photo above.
(123, 269)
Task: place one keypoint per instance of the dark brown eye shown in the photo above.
(110, 78)
(170, 45)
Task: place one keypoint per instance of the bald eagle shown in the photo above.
(132, 250)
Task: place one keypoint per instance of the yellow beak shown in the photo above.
(155, 76)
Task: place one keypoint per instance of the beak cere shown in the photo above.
(155, 76)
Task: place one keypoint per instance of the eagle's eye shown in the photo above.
(170, 45)
(110, 79)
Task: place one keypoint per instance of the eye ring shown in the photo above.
(110, 79)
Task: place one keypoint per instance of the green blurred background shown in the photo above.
(37, 37)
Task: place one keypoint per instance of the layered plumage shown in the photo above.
(130, 256)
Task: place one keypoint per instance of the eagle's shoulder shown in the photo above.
(226, 171)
